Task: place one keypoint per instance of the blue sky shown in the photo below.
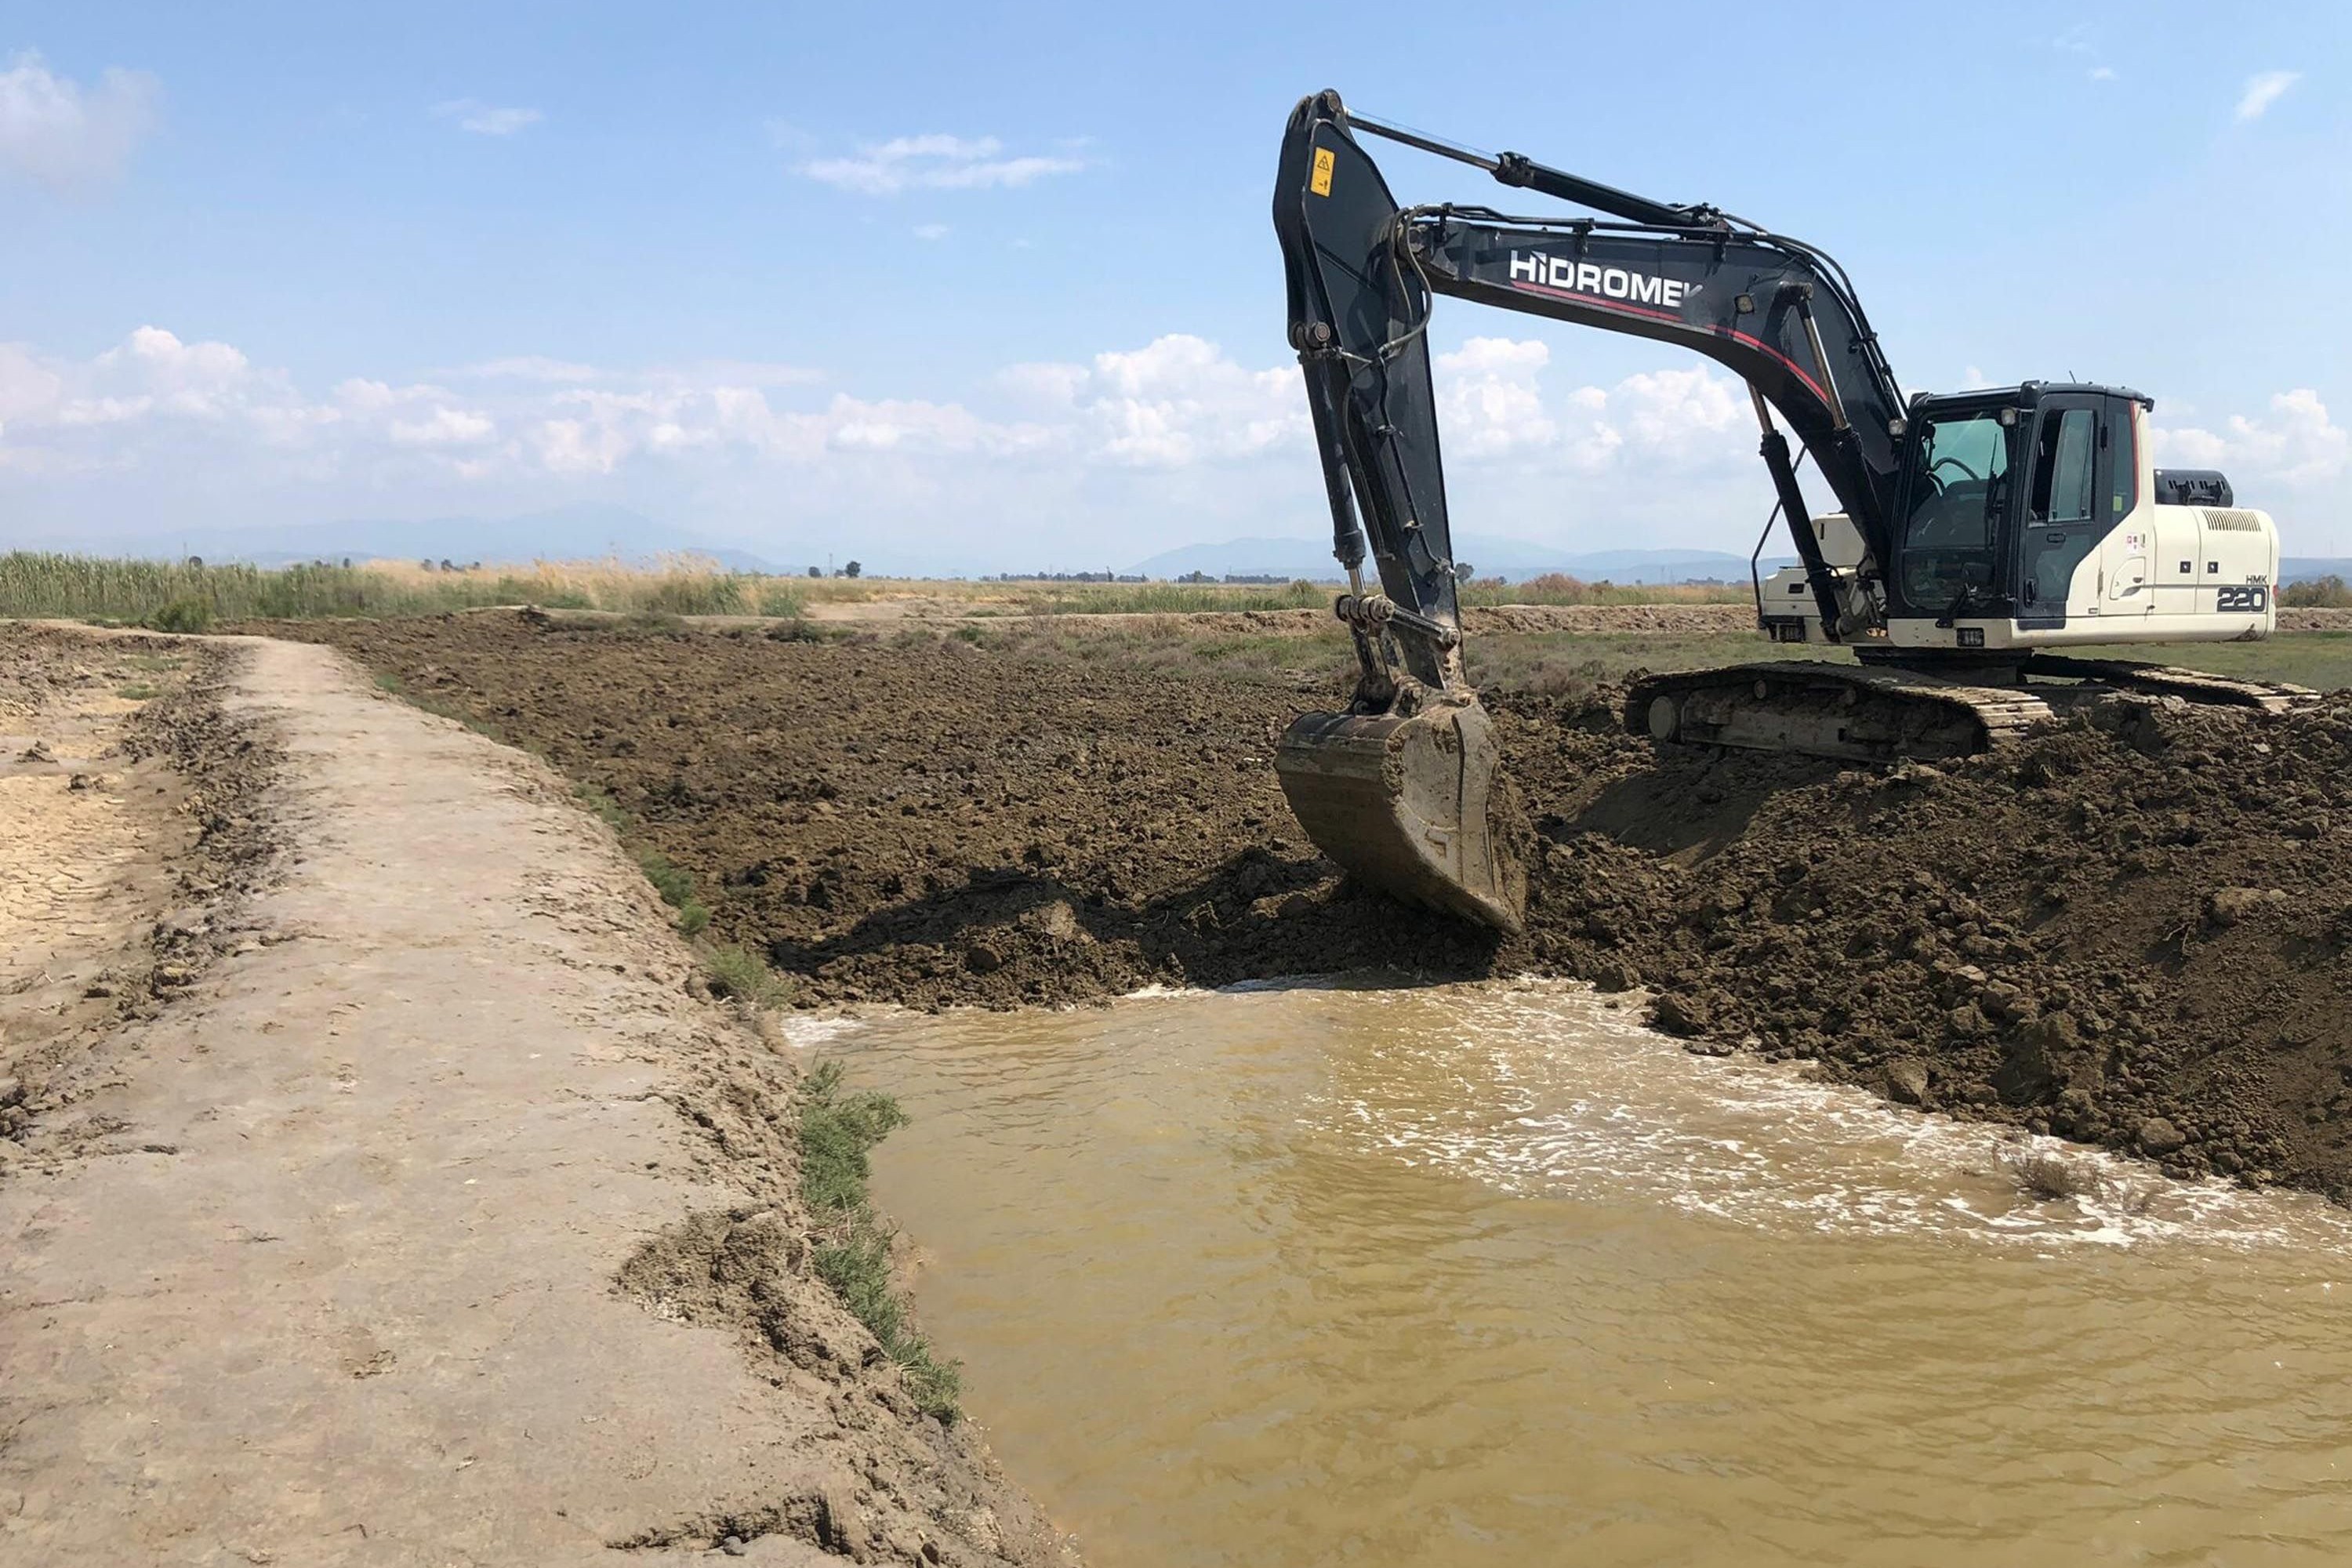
(975, 288)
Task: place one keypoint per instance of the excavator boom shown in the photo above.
(1405, 788)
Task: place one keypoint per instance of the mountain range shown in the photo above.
(1489, 556)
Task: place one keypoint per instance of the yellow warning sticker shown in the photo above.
(1321, 182)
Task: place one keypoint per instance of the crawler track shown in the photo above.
(1880, 713)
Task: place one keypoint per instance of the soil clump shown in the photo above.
(2129, 930)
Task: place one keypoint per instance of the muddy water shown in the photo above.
(1485, 1275)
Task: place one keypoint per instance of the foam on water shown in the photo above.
(1561, 1095)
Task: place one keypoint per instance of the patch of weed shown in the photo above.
(738, 972)
(180, 615)
(137, 691)
(837, 1131)
(612, 813)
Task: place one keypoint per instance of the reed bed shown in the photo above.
(187, 595)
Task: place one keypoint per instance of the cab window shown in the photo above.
(1957, 493)
(2063, 454)
(2123, 459)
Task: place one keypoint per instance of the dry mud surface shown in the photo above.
(2133, 935)
(406, 1200)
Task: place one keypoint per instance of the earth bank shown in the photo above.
(2129, 931)
(399, 1193)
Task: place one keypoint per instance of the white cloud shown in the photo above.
(2102, 73)
(579, 446)
(2262, 91)
(928, 231)
(532, 367)
(1488, 395)
(1099, 461)
(1180, 400)
(936, 163)
(485, 120)
(27, 385)
(445, 427)
(2298, 443)
(58, 135)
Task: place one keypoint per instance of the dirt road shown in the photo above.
(318, 1264)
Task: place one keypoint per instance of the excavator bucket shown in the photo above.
(1415, 805)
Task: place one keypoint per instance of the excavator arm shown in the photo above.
(1404, 788)
(1363, 273)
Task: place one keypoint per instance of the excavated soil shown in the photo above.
(2129, 931)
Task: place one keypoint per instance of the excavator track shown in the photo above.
(1856, 712)
(1882, 713)
(2165, 680)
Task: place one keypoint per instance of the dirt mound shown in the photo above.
(2133, 936)
(2129, 930)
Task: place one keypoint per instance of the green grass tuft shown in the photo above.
(739, 973)
(837, 1131)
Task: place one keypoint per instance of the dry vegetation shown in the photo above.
(191, 596)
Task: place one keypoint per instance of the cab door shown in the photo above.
(2128, 554)
(2062, 525)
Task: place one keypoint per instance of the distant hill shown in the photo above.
(2304, 568)
(1489, 556)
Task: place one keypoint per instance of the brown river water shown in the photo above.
(1486, 1275)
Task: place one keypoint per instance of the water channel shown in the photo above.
(1486, 1275)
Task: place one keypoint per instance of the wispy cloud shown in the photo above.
(2102, 73)
(2264, 90)
(485, 120)
(934, 164)
(532, 367)
(930, 231)
(62, 135)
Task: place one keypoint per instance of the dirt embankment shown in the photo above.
(129, 824)
(2132, 935)
(419, 1203)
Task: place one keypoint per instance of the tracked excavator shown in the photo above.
(1975, 534)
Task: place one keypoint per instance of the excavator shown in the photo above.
(1976, 533)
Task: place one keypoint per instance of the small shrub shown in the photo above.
(180, 615)
(137, 691)
(2328, 592)
(2053, 1176)
(793, 629)
(653, 624)
(739, 973)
